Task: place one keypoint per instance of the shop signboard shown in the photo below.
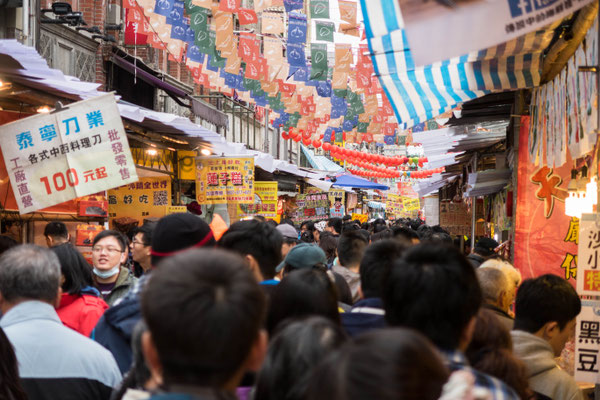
(361, 217)
(222, 180)
(77, 151)
(411, 204)
(175, 209)
(587, 342)
(451, 31)
(588, 258)
(313, 207)
(542, 230)
(394, 205)
(336, 199)
(149, 197)
(265, 201)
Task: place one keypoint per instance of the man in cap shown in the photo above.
(290, 237)
(483, 250)
(173, 234)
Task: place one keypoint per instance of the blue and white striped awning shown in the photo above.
(320, 163)
(418, 94)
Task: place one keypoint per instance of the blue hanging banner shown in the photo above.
(295, 55)
(297, 28)
(291, 5)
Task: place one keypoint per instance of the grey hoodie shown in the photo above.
(544, 375)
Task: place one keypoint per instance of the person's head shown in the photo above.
(376, 265)
(384, 364)
(141, 245)
(176, 233)
(547, 306)
(6, 242)
(56, 233)
(434, 290)
(379, 225)
(204, 312)
(10, 384)
(495, 287)
(405, 235)
(425, 232)
(307, 226)
(334, 225)
(512, 274)
(303, 256)
(109, 252)
(350, 249)
(485, 247)
(294, 352)
(290, 237)
(329, 244)
(75, 270)
(28, 272)
(258, 242)
(303, 293)
(491, 352)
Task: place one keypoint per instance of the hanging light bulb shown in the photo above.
(592, 191)
(571, 205)
(585, 204)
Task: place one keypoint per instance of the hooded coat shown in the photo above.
(544, 375)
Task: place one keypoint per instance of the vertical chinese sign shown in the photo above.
(265, 204)
(393, 205)
(336, 199)
(221, 180)
(545, 238)
(53, 158)
(149, 197)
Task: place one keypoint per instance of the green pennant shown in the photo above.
(319, 9)
(202, 40)
(216, 61)
(325, 30)
(362, 127)
(318, 56)
(339, 136)
(190, 7)
(318, 74)
(199, 19)
(251, 84)
(340, 92)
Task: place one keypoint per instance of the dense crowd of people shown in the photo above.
(326, 310)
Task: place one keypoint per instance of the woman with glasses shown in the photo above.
(109, 254)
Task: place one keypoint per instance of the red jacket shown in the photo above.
(81, 312)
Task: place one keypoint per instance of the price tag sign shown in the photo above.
(81, 150)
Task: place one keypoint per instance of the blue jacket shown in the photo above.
(114, 330)
(367, 314)
(55, 362)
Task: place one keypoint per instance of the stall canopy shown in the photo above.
(320, 163)
(349, 180)
(420, 93)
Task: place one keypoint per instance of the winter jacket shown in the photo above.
(366, 315)
(114, 330)
(125, 281)
(475, 259)
(351, 277)
(503, 317)
(544, 375)
(56, 362)
(81, 312)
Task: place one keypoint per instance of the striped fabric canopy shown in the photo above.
(419, 93)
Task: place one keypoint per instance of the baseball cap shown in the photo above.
(487, 244)
(320, 226)
(304, 255)
(177, 232)
(287, 231)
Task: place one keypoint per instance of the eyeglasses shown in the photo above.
(136, 242)
(111, 250)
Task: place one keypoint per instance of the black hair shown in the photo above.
(434, 290)
(271, 223)
(260, 218)
(379, 225)
(381, 235)
(288, 221)
(404, 234)
(307, 237)
(336, 224)
(439, 229)
(6, 243)
(351, 247)
(328, 243)
(122, 239)
(310, 226)
(10, 383)
(386, 364)
(76, 271)
(545, 299)
(376, 265)
(196, 306)
(302, 293)
(424, 232)
(56, 229)
(293, 353)
(258, 239)
(441, 237)
(146, 231)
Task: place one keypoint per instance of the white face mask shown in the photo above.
(107, 274)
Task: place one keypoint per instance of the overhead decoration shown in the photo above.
(317, 86)
(419, 93)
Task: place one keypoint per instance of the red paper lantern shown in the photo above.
(285, 135)
(297, 138)
(326, 146)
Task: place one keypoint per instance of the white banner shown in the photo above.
(436, 32)
(588, 256)
(80, 150)
(587, 342)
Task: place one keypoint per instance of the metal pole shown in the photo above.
(473, 209)
(25, 34)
